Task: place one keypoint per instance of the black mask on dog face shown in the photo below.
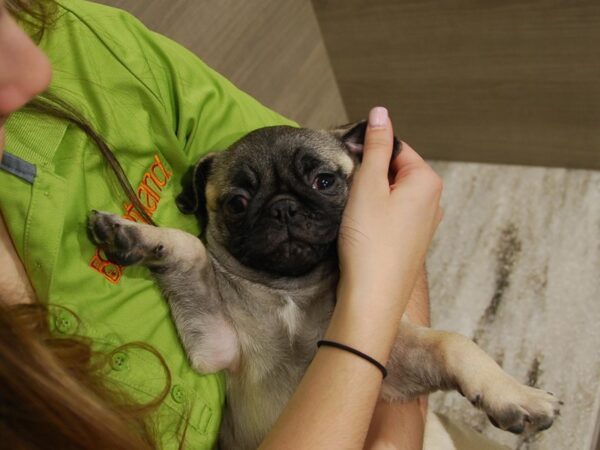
(275, 198)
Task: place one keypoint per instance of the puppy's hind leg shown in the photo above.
(425, 360)
(180, 265)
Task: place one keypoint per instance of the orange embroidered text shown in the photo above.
(149, 192)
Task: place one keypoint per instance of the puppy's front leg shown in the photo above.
(179, 262)
(425, 360)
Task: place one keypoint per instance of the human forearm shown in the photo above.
(401, 426)
(419, 312)
(336, 377)
(418, 308)
(331, 407)
(396, 426)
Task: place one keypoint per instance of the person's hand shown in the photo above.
(389, 221)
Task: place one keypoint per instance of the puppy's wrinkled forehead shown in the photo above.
(280, 151)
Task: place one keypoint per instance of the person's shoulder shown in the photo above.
(113, 28)
(120, 31)
(93, 41)
(96, 15)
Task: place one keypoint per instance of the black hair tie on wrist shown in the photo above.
(373, 361)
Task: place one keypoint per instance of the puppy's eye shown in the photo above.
(323, 181)
(237, 204)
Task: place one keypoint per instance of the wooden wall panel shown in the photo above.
(507, 81)
(271, 49)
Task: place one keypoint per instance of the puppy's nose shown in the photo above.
(284, 209)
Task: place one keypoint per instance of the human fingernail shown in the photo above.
(378, 117)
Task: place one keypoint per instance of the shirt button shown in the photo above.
(119, 361)
(178, 393)
(64, 323)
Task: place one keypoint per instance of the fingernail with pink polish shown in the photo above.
(378, 117)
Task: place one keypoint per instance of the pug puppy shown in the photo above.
(255, 295)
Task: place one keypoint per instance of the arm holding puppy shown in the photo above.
(386, 230)
(397, 425)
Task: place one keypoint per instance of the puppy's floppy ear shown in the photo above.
(192, 199)
(353, 137)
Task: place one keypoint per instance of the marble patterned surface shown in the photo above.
(516, 265)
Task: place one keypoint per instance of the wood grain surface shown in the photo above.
(271, 49)
(511, 81)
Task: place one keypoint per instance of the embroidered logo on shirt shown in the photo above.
(149, 193)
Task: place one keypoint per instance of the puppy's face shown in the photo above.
(275, 198)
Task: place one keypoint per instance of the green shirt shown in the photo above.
(160, 109)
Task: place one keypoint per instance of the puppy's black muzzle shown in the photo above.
(283, 208)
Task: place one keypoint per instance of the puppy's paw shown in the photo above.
(517, 408)
(122, 240)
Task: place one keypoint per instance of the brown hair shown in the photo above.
(37, 14)
(53, 392)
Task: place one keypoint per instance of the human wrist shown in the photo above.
(372, 332)
(377, 295)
